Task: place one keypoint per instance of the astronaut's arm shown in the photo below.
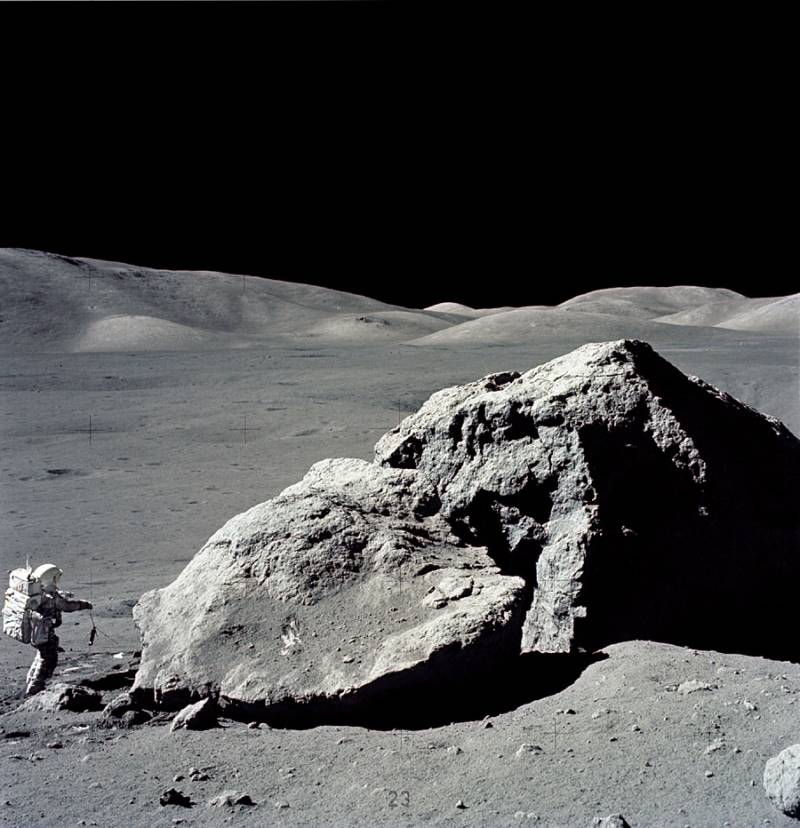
(66, 604)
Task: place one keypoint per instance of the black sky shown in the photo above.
(416, 158)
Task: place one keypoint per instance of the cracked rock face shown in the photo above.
(600, 497)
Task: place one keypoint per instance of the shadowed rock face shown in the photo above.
(640, 503)
(603, 496)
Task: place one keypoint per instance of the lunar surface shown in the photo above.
(143, 410)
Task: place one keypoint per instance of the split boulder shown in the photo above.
(600, 497)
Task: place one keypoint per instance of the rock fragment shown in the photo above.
(198, 716)
(694, 686)
(123, 712)
(610, 821)
(526, 750)
(229, 799)
(64, 697)
(782, 780)
(172, 796)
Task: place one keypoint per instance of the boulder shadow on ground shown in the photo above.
(415, 701)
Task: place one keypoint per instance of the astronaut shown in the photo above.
(45, 618)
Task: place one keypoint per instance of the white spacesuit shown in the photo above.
(45, 618)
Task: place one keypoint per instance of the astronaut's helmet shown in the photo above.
(48, 575)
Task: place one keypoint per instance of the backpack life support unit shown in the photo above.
(23, 596)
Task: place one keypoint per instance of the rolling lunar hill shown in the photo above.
(647, 302)
(57, 303)
(773, 315)
(54, 303)
(524, 324)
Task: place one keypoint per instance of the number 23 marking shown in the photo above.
(399, 798)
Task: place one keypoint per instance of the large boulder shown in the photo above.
(603, 496)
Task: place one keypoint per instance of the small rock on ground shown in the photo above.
(123, 712)
(526, 749)
(230, 799)
(64, 697)
(172, 796)
(610, 821)
(693, 686)
(782, 780)
(198, 716)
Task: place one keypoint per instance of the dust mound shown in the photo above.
(601, 497)
(145, 333)
(380, 326)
